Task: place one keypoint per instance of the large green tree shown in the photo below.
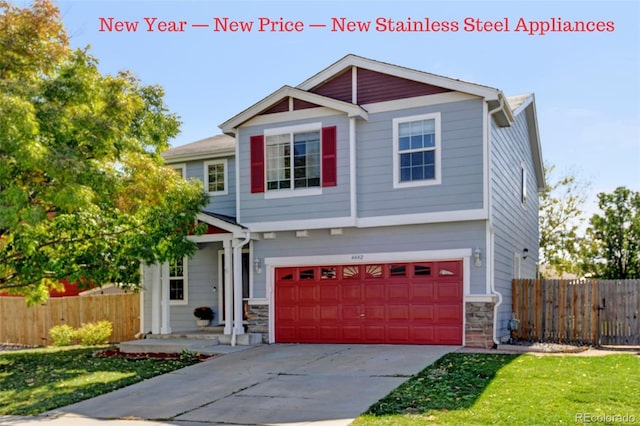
(560, 220)
(613, 249)
(84, 195)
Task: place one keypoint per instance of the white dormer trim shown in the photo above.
(279, 117)
(230, 126)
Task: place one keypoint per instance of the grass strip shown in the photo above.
(35, 381)
(492, 389)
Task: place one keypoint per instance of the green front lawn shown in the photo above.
(35, 381)
(491, 389)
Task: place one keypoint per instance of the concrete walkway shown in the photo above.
(264, 385)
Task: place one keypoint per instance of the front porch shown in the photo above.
(207, 340)
(216, 277)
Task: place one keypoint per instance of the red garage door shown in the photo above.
(408, 303)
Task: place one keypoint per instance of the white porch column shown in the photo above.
(165, 324)
(238, 307)
(228, 286)
(156, 288)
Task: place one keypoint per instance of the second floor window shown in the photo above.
(417, 150)
(215, 177)
(293, 160)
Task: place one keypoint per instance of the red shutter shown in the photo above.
(257, 163)
(329, 156)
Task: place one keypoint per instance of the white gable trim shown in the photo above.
(534, 140)
(395, 70)
(236, 230)
(528, 106)
(418, 101)
(350, 109)
(182, 159)
(279, 117)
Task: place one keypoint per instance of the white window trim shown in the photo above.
(205, 179)
(396, 151)
(185, 278)
(517, 266)
(286, 193)
(292, 192)
(180, 166)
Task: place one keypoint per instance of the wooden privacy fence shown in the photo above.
(596, 312)
(21, 324)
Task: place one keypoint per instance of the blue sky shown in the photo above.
(587, 85)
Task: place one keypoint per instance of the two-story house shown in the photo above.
(371, 203)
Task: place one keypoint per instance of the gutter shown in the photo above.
(491, 242)
(237, 286)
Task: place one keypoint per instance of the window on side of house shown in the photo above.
(523, 185)
(215, 177)
(417, 151)
(178, 282)
(180, 169)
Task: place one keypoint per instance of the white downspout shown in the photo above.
(237, 288)
(352, 150)
(352, 170)
(491, 242)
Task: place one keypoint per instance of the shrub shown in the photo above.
(95, 333)
(62, 335)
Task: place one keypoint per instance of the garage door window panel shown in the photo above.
(284, 275)
(328, 274)
(373, 271)
(422, 270)
(397, 271)
(351, 273)
(307, 274)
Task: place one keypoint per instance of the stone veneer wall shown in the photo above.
(258, 321)
(479, 325)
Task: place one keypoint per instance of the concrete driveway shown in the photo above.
(263, 385)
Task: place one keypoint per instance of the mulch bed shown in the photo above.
(111, 353)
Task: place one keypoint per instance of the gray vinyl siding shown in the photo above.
(461, 168)
(356, 241)
(202, 276)
(515, 225)
(223, 204)
(333, 202)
